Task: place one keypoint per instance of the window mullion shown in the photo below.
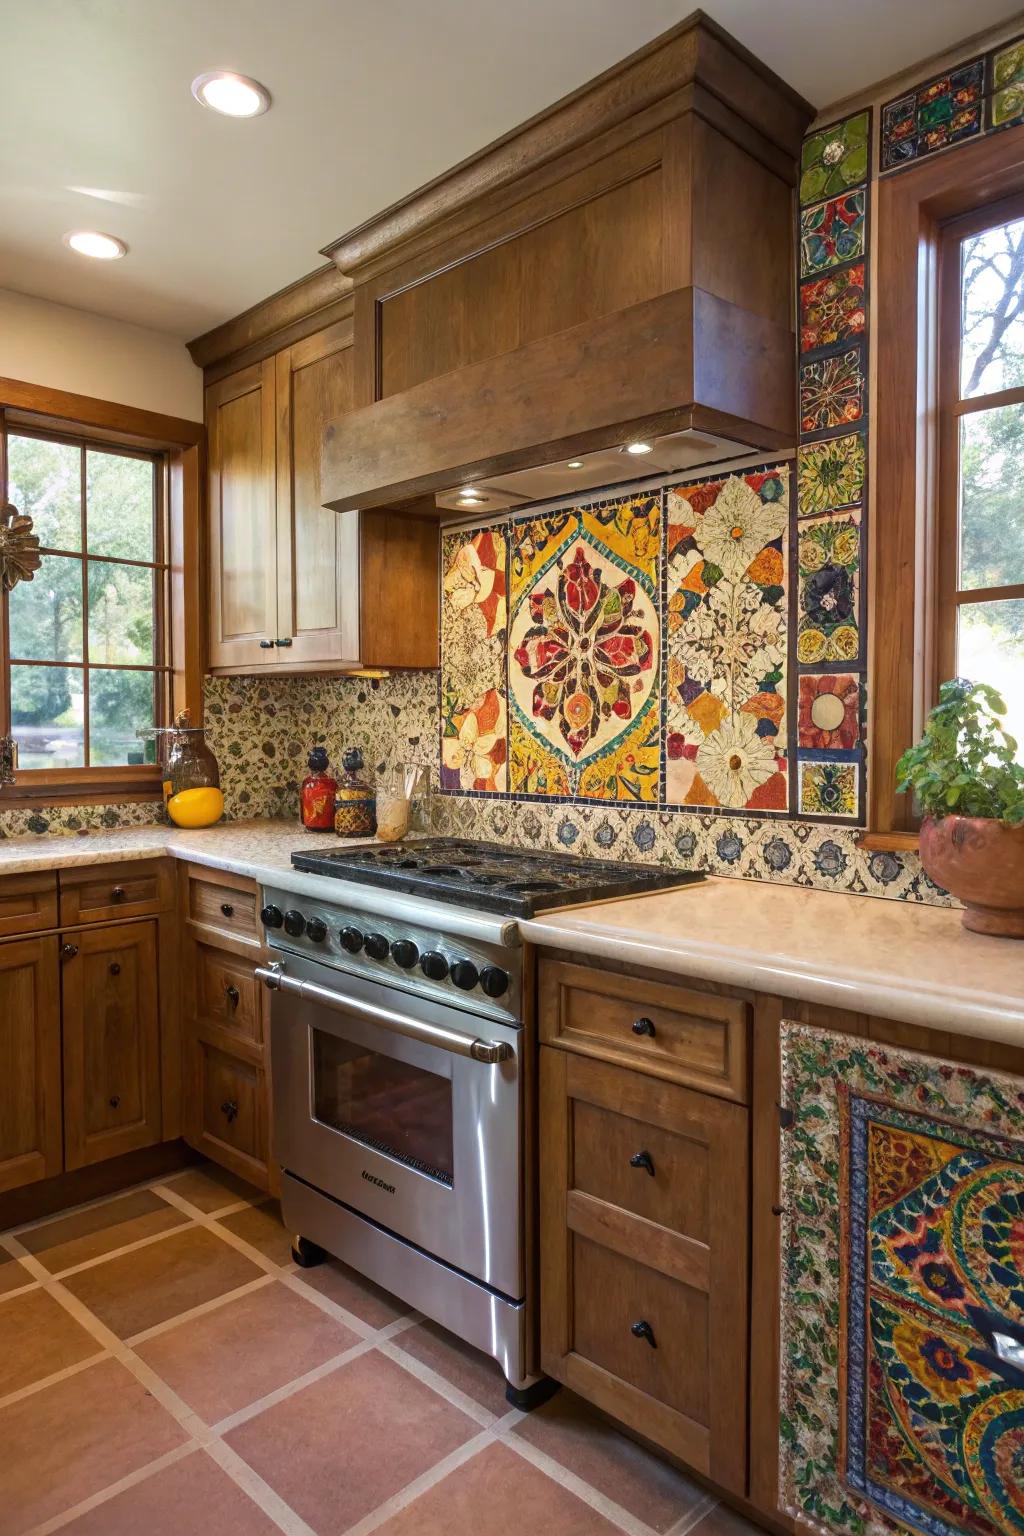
(83, 527)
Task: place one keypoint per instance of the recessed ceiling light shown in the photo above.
(470, 498)
(638, 448)
(575, 464)
(89, 242)
(233, 95)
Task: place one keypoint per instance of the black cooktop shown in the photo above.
(514, 882)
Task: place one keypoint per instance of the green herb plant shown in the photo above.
(965, 763)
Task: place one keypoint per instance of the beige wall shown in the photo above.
(70, 349)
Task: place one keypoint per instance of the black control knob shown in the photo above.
(434, 965)
(493, 980)
(271, 917)
(316, 930)
(351, 940)
(294, 923)
(465, 975)
(404, 953)
(377, 946)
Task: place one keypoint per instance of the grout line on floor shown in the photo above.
(439, 1384)
(213, 1305)
(22, 1290)
(292, 1278)
(420, 1485)
(116, 1253)
(693, 1516)
(58, 1522)
(280, 1394)
(615, 1513)
(86, 1205)
(261, 1493)
(53, 1379)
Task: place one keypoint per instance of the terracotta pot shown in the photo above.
(982, 863)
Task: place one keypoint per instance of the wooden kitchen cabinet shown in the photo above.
(111, 1042)
(30, 1066)
(28, 903)
(293, 585)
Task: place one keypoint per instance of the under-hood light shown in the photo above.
(638, 448)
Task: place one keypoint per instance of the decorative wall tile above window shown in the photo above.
(934, 116)
(831, 233)
(1007, 75)
(834, 158)
(474, 619)
(833, 309)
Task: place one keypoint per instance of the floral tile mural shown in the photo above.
(726, 601)
(832, 391)
(835, 158)
(902, 1187)
(833, 309)
(474, 620)
(828, 787)
(828, 711)
(943, 112)
(830, 474)
(1007, 74)
(584, 652)
(828, 590)
(831, 233)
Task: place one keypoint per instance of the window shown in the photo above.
(979, 622)
(87, 656)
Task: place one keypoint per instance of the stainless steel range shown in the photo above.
(401, 1066)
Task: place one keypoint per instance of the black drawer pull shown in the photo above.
(114, 968)
(644, 1027)
(642, 1160)
(232, 995)
(117, 894)
(230, 1109)
(115, 1099)
(643, 1330)
(227, 909)
(68, 951)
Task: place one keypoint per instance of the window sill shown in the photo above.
(889, 842)
(41, 787)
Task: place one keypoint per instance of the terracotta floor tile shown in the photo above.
(466, 1368)
(210, 1188)
(568, 1431)
(261, 1226)
(723, 1521)
(340, 1447)
(492, 1494)
(13, 1274)
(64, 1443)
(239, 1352)
(37, 1338)
(191, 1496)
(85, 1234)
(139, 1290)
(374, 1306)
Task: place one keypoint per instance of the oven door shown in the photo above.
(380, 1102)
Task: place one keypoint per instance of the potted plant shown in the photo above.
(971, 788)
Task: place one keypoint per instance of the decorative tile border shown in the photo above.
(980, 95)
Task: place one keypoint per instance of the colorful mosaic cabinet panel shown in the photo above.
(474, 618)
(902, 1253)
(943, 112)
(726, 590)
(584, 652)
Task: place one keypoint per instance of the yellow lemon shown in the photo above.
(196, 807)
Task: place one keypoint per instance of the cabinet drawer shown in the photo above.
(109, 892)
(28, 903)
(659, 1175)
(224, 905)
(669, 1031)
(228, 1111)
(228, 994)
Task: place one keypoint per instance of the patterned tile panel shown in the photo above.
(829, 787)
(835, 158)
(832, 391)
(832, 232)
(943, 112)
(828, 590)
(1007, 75)
(726, 591)
(474, 626)
(828, 711)
(833, 309)
(831, 474)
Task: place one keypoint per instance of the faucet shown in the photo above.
(8, 759)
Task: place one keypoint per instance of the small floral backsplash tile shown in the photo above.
(78, 818)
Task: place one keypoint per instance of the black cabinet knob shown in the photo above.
(114, 968)
(642, 1160)
(434, 965)
(270, 917)
(229, 911)
(465, 975)
(644, 1027)
(266, 645)
(351, 940)
(117, 893)
(404, 953)
(493, 980)
(232, 994)
(294, 923)
(643, 1330)
(316, 930)
(229, 1109)
(68, 951)
(377, 946)
(114, 1100)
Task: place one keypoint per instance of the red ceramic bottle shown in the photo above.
(316, 796)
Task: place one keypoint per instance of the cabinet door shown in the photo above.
(243, 533)
(111, 1042)
(30, 1119)
(318, 550)
(227, 1110)
(644, 1206)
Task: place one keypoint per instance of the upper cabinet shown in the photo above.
(293, 585)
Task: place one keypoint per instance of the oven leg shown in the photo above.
(526, 1399)
(306, 1254)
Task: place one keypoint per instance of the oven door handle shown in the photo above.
(488, 1051)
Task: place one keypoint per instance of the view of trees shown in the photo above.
(47, 620)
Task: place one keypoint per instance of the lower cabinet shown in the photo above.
(644, 1202)
(111, 1042)
(30, 1066)
(226, 1115)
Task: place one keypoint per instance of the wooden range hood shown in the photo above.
(620, 266)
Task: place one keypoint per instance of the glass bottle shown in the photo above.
(316, 794)
(354, 805)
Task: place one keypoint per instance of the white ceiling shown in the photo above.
(371, 99)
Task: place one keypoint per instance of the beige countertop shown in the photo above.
(901, 960)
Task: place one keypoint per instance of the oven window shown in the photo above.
(385, 1104)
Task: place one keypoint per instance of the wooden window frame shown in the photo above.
(913, 208)
(181, 444)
